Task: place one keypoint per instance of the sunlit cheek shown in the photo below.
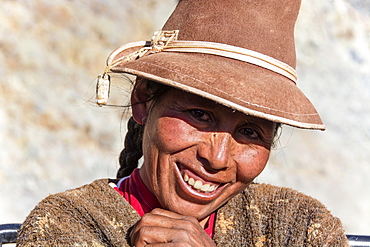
(173, 134)
(250, 164)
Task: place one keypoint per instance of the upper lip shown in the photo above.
(203, 178)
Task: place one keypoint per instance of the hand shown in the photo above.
(165, 228)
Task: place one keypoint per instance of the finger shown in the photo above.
(164, 220)
(153, 235)
(168, 245)
(172, 215)
(149, 222)
(158, 236)
(150, 228)
(167, 213)
(163, 227)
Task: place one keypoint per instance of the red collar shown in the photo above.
(137, 194)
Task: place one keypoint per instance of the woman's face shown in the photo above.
(199, 154)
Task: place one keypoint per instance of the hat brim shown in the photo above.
(248, 88)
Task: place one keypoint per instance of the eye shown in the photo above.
(255, 134)
(250, 133)
(200, 115)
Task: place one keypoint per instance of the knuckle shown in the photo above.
(188, 225)
(144, 230)
(146, 218)
(191, 219)
(156, 211)
(191, 222)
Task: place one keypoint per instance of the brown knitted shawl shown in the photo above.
(262, 215)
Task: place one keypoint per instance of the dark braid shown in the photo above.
(130, 155)
(133, 151)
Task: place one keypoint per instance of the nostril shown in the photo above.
(209, 167)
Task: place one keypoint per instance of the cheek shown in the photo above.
(174, 134)
(251, 164)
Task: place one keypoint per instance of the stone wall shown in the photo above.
(53, 137)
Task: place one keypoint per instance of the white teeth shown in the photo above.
(205, 187)
(198, 185)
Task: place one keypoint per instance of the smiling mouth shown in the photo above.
(199, 185)
(196, 186)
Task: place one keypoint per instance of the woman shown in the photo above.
(211, 91)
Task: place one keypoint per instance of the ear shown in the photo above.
(139, 102)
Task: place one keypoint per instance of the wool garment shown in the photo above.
(262, 215)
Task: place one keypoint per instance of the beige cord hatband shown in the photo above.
(166, 41)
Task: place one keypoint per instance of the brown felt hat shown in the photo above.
(239, 53)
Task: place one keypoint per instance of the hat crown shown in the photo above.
(227, 51)
(265, 26)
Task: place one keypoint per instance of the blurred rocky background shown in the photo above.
(53, 137)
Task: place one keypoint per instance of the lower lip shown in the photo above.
(189, 191)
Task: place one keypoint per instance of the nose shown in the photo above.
(216, 151)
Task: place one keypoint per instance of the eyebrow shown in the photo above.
(202, 101)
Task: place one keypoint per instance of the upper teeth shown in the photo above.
(197, 184)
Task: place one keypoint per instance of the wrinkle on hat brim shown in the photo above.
(241, 86)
